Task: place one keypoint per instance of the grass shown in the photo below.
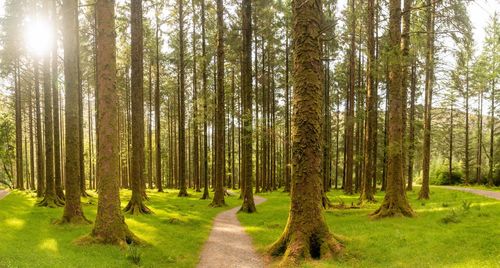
(175, 233)
(482, 187)
(452, 229)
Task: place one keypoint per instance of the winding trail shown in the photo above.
(3, 193)
(228, 245)
(490, 194)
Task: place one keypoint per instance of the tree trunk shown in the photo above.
(182, 108)
(196, 161)
(429, 81)
(411, 137)
(110, 226)
(159, 184)
(395, 202)
(288, 167)
(371, 110)
(40, 173)
(246, 97)
(219, 112)
(19, 129)
(306, 235)
(136, 204)
(206, 194)
(73, 212)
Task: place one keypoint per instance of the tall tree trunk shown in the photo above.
(182, 108)
(246, 101)
(81, 158)
(150, 130)
(405, 49)
(395, 202)
(349, 122)
(479, 156)
(306, 235)
(31, 138)
(429, 82)
(110, 226)
(136, 204)
(467, 158)
(19, 129)
(73, 212)
(50, 198)
(196, 129)
(55, 104)
(219, 112)
(159, 184)
(492, 134)
(288, 167)
(40, 172)
(206, 194)
(411, 134)
(371, 110)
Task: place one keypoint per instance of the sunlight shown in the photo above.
(38, 36)
(50, 245)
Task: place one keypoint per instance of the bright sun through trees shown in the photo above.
(38, 35)
(249, 133)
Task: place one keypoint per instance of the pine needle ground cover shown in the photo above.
(452, 229)
(175, 233)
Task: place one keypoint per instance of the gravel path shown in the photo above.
(490, 194)
(228, 245)
(3, 193)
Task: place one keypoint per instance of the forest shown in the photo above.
(251, 133)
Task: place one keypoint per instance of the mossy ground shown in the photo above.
(422, 241)
(174, 234)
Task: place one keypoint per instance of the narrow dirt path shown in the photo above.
(228, 245)
(3, 193)
(490, 194)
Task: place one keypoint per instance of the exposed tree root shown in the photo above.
(85, 194)
(366, 200)
(423, 195)
(303, 247)
(51, 201)
(218, 203)
(122, 239)
(248, 207)
(392, 209)
(205, 195)
(136, 208)
(60, 194)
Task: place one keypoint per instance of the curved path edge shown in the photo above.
(486, 193)
(228, 244)
(3, 193)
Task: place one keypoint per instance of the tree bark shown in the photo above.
(206, 194)
(306, 235)
(395, 202)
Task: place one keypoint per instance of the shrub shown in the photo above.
(133, 254)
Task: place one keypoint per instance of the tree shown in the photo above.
(395, 202)
(159, 184)
(246, 96)
(110, 226)
(206, 194)
(306, 234)
(136, 204)
(371, 110)
(196, 129)
(50, 198)
(218, 199)
(182, 108)
(429, 81)
(73, 212)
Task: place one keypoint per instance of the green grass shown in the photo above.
(175, 233)
(423, 241)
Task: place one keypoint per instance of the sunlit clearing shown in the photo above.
(15, 223)
(38, 36)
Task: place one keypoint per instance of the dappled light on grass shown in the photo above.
(174, 235)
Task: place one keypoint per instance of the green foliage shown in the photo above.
(439, 173)
(452, 217)
(133, 254)
(7, 149)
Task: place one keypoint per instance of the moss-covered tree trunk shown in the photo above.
(288, 166)
(110, 227)
(371, 110)
(73, 212)
(395, 202)
(246, 98)
(218, 199)
(136, 204)
(306, 234)
(349, 120)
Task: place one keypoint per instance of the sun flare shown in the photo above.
(38, 37)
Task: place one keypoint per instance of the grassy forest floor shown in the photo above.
(176, 233)
(452, 229)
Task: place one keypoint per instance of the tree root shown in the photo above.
(218, 203)
(51, 201)
(85, 194)
(392, 209)
(248, 208)
(76, 220)
(136, 208)
(303, 247)
(123, 239)
(183, 193)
